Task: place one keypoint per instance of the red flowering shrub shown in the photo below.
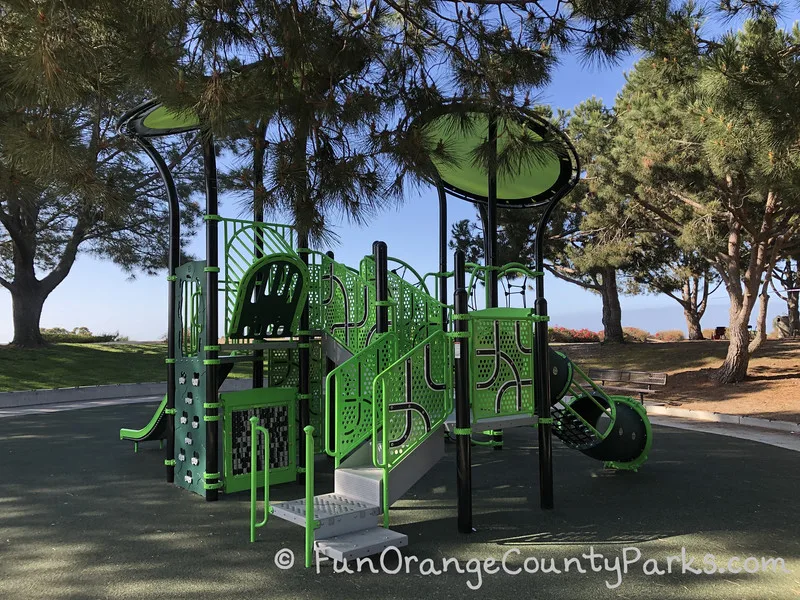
(565, 335)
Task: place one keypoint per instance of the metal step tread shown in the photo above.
(360, 543)
(327, 507)
(368, 472)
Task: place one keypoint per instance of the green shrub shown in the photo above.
(670, 335)
(71, 338)
(79, 335)
(634, 334)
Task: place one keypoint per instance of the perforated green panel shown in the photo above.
(190, 380)
(414, 315)
(282, 369)
(413, 397)
(353, 381)
(350, 312)
(318, 292)
(501, 375)
(316, 405)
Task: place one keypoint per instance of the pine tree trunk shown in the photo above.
(794, 312)
(612, 311)
(792, 304)
(691, 311)
(734, 369)
(27, 304)
(761, 323)
(693, 325)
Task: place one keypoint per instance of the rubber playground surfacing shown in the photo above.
(82, 516)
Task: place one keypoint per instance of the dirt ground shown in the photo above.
(771, 391)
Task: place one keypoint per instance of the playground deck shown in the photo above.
(83, 517)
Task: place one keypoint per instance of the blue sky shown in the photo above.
(98, 295)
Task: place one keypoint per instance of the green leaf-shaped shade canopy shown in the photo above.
(536, 166)
(152, 119)
(162, 118)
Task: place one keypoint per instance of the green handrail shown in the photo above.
(404, 264)
(610, 410)
(311, 523)
(255, 428)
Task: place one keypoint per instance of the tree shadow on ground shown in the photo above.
(82, 516)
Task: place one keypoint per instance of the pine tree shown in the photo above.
(661, 266)
(706, 152)
(68, 184)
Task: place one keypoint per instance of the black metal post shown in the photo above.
(258, 355)
(491, 214)
(541, 378)
(212, 317)
(258, 215)
(304, 370)
(173, 259)
(463, 417)
(381, 287)
(443, 251)
(331, 395)
(491, 235)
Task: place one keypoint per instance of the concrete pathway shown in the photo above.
(46, 409)
(780, 439)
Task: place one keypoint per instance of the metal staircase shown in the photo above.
(347, 520)
(390, 394)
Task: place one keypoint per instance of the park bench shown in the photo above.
(640, 382)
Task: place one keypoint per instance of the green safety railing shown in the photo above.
(407, 268)
(588, 388)
(413, 397)
(255, 430)
(353, 399)
(311, 523)
(478, 274)
(414, 314)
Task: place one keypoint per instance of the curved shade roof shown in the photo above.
(153, 119)
(534, 157)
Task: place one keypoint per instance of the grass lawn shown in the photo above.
(70, 365)
(772, 389)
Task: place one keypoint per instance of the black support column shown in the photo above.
(491, 237)
(381, 287)
(541, 376)
(174, 258)
(443, 251)
(491, 215)
(212, 308)
(304, 371)
(463, 416)
(258, 355)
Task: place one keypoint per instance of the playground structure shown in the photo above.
(368, 364)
